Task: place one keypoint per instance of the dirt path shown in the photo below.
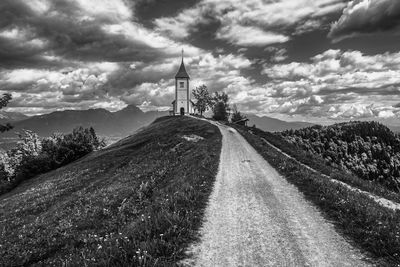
(256, 218)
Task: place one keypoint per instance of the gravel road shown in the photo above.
(256, 218)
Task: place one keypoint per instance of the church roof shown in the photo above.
(182, 72)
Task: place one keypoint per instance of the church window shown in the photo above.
(181, 84)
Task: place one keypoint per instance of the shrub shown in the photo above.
(34, 155)
(220, 113)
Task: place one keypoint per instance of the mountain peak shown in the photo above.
(130, 109)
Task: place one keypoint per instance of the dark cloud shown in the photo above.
(64, 32)
(365, 16)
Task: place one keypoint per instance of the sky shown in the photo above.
(319, 61)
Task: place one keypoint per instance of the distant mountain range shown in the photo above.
(11, 116)
(275, 125)
(113, 125)
(105, 123)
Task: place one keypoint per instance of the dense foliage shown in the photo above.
(221, 108)
(34, 155)
(220, 113)
(368, 149)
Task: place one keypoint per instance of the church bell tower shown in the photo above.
(182, 104)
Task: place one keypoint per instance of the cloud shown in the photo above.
(100, 84)
(336, 84)
(184, 23)
(31, 31)
(80, 54)
(272, 20)
(249, 36)
(364, 17)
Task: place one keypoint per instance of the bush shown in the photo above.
(34, 155)
(220, 113)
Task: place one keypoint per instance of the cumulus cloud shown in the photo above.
(337, 84)
(30, 31)
(218, 73)
(365, 16)
(74, 53)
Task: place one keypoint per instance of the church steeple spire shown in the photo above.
(182, 70)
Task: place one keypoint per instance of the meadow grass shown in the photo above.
(370, 226)
(138, 202)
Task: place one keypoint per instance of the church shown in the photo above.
(182, 104)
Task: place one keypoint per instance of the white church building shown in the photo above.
(182, 104)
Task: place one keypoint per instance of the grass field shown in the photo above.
(138, 202)
(369, 226)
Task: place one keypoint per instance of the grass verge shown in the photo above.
(137, 203)
(371, 226)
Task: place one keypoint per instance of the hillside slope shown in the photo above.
(368, 149)
(137, 202)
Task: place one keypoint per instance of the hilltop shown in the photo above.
(368, 149)
(137, 202)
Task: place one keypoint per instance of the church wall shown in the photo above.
(182, 94)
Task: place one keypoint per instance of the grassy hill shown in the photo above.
(137, 202)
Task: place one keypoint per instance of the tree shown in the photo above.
(220, 103)
(4, 100)
(237, 116)
(220, 113)
(221, 97)
(203, 98)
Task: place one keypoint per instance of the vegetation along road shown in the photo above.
(256, 218)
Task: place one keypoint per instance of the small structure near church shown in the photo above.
(182, 104)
